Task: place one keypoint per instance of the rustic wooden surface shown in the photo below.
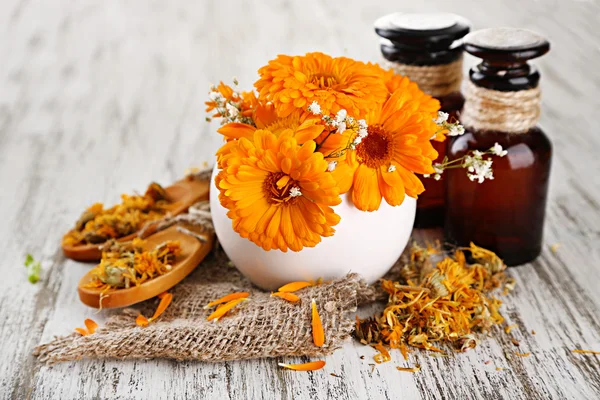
(101, 97)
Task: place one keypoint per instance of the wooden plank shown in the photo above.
(98, 99)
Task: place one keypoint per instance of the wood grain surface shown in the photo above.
(98, 98)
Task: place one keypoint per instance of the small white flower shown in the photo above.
(341, 116)
(437, 177)
(498, 150)
(215, 96)
(357, 141)
(391, 168)
(331, 166)
(477, 154)
(233, 111)
(456, 130)
(426, 175)
(362, 133)
(362, 124)
(441, 118)
(295, 192)
(314, 108)
(341, 127)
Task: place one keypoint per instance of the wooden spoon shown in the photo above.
(183, 194)
(192, 253)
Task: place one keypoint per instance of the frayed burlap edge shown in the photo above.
(262, 327)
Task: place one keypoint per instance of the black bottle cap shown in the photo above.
(432, 30)
(506, 45)
(422, 38)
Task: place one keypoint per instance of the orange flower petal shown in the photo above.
(82, 331)
(228, 298)
(165, 300)
(585, 351)
(91, 325)
(310, 366)
(222, 310)
(141, 320)
(294, 286)
(416, 368)
(317, 328)
(291, 297)
(384, 354)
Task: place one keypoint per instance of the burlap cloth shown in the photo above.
(262, 327)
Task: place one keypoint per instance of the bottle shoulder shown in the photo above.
(535, 140)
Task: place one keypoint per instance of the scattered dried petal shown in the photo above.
(228, 298)
(335, 375)
(141, 320)
(82, 331)
(585, 351)
(416, 368)
(224, 309)
(532, 332)
(317, 328)
(91, 325)
(523, 354)
(291, 297)
(510, 327)
(310, 366)
(499, 369)
(384, 354)
(294, 286)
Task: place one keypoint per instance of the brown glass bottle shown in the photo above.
(506, 214)
(426, 40)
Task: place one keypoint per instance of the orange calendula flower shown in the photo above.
(279, 194)
(383, 164)
(310, 366)
(334, 83)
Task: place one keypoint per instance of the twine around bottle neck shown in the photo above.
(435, 80)
(493, 110)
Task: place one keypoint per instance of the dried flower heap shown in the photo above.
(97, 224)
(319, 127)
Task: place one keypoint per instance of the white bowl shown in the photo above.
(368, 243)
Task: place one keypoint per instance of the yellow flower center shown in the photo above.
(375, 149)
(323, 80)
(277, 188)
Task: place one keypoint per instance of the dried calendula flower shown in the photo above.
(317, 328)
(165, 300)
(450, 303)
(127, 264)
(310, 366)
(224, 308)
(294, 286)
(228, 298)
(90, 327)
(97, 225)
(291, 297)
(523, 354)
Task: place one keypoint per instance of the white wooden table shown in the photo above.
(101, 97)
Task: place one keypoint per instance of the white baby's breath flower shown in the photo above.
(314, 108)
(391, 168)
(437, 177)
(426, 175)
(362, 124)
(341, 127)
(331, 166)
(341, 116)
(441, 118)
(233, 111)
(456, 130)
(295, 192)
(438, 168)
(215, 96)
(477, 154)
(498, 150)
